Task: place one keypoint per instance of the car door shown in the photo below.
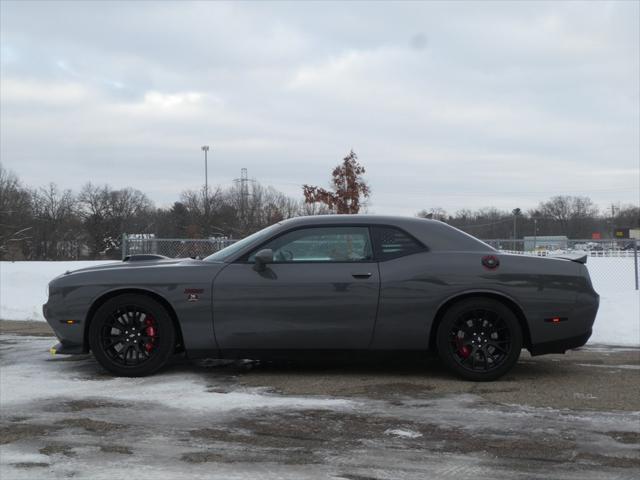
(320, 292)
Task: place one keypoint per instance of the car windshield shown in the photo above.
(222, 255)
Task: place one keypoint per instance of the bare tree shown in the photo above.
(268, 206)
(208, 215)
(435, 213)
(572, 215)
(108, 213)
(15, 215)
(627, 216)
(237, 211)
(313, 208)
(56, 226)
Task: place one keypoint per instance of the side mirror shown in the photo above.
(262, 258)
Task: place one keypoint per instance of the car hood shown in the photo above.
(138, 264)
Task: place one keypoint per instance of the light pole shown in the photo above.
(205, 149)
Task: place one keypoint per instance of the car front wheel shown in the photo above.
(479, 339)
(132, 335)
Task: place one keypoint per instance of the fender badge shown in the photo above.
(193, 294)
(193, 290)
(491, 262)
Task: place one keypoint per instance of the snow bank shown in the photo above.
(23, 286)
(23, 290)
(618, 320)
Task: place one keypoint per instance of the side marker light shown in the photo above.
(556, 319)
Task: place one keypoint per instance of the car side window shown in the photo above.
(392, 242)
(321, 244)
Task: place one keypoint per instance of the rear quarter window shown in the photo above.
(391, 242)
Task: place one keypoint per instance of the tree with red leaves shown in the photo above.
(349, 188)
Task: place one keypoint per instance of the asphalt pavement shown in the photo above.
(573, 416)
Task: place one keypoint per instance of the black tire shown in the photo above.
(132, 335)
(479, 339)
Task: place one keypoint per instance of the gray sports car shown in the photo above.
(328, 284)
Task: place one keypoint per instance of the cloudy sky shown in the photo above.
(447, 104)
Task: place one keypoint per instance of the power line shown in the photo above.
(484, 224)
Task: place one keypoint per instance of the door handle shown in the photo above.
(361, 275)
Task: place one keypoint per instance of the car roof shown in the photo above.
(436, 235)
(355, 219)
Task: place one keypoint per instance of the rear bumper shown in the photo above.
(572, 331)
(560, 346)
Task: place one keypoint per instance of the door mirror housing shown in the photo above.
(262, 258)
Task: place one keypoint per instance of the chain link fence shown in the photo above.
(173, 247)
(613, 264)
(557, 244)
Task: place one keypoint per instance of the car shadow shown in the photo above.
(409, 366)
(403, 368)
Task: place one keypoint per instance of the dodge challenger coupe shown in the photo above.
(328, 284)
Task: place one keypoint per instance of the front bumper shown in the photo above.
(71, 335)
(60, 348)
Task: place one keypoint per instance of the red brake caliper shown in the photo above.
(151, 332)
(463, 350)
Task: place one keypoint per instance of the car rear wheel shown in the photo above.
(132, 335)
(479, 339)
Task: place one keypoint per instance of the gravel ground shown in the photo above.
(574, 416)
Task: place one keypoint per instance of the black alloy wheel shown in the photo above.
(132, 335)
(479, 339)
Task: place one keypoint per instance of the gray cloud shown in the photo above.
(451, 105)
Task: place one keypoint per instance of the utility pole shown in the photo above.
(613, 221)
(516, 212)
(243, 183)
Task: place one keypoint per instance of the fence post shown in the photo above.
(124, 245)
(635, 260)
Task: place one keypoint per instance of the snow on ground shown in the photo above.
(398, 432)
(84, 424)
(127, 427)
(23, 290)
(33, 366)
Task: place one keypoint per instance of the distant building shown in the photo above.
(552, 242)
(621, 233)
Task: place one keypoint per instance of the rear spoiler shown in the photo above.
(574, 257)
